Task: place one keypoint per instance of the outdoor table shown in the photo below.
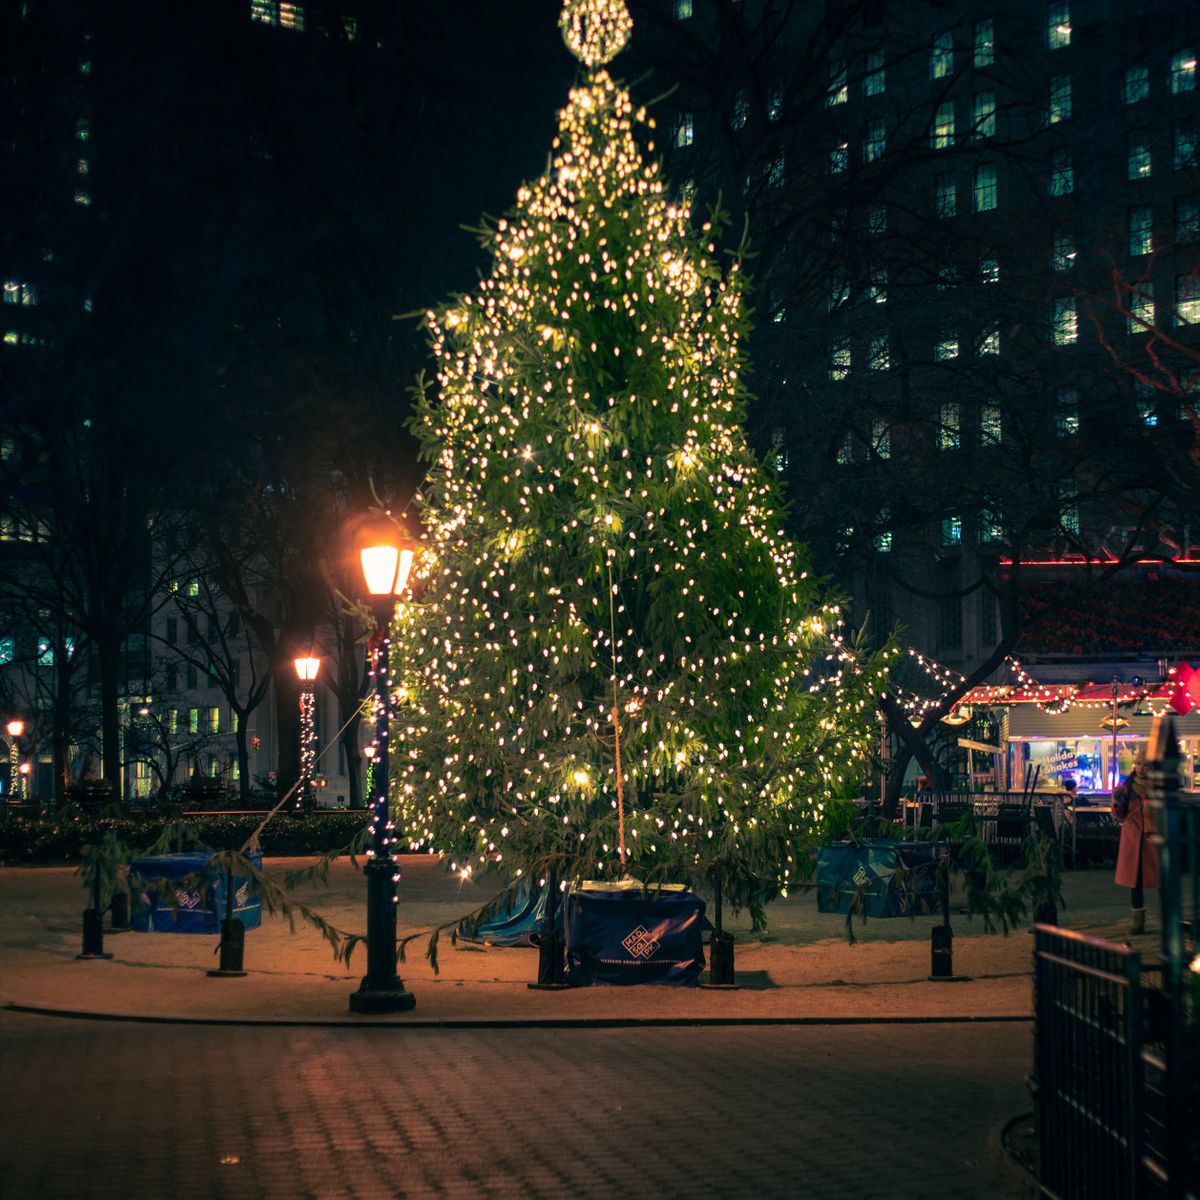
(1094, 813)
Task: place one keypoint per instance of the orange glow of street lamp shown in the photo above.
(15, 728)
(307, 668)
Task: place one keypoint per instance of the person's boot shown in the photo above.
(1137, 921)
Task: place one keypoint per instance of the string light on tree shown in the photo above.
(620, 661)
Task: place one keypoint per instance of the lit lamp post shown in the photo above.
(306, 671)
(386, 563)
(15, 728)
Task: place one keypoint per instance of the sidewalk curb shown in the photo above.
(349, 1022)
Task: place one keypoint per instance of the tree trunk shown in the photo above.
(287, 725)
(353, 764)
(243, 761)
(60, 735)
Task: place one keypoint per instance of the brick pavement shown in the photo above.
(93, 1109)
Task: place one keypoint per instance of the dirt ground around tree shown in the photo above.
(802, 968)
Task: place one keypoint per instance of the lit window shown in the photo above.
(991, 524)
(873, 80)
(983, 115)
(1066, 321)
(1060, 100)
(172, 720)
(193, 587)
(877, 286)
(876, 141)
(946, 195)
(945, 348)
(1066, 412)
(883, 540)
(266, 11)
(1068, 515)
(946, 277)
(779, 460)
(990, 425)
(952, 531)
(775, 103)
(1146, 399)
(839, 158)
(683, 129)
(1187, 220)
(941, 57)
(83, 199)
(881, 438)
(775, 303)
(81, 166)
(213, 722)
(83, 130)
(948, 427)
(877, 218)
(1141, 229)
(1183, 72)
(985, 187)
(1137, 84)
(942, 137)
(741, 109)
(839, 289)
(1058, 25)
(683, 9)
(193, 720)
(85, 67)
(839, 90)
(291, 16)
(7, 650)
(1187, 300)
(839, 359)
(985, 43)
(1139, 157)
(1141, 308)
(45, 653)
(1062, 252)
(1062, 173)
(775, 171)
(989, 339)
(845, 450)
(20, 293)
(989, 270)
(1183, 145)
(879, 355)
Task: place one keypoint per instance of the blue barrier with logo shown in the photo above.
(192, 910)
(622, 934)
(519, 921)
(888, 878)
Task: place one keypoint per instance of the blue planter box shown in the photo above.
(199, 911)
(880, 878)
(620, 935)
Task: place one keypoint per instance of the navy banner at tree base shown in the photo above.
(199, 910)
(887, 878)
(626, 934)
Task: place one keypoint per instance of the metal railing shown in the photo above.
(1088, 1067)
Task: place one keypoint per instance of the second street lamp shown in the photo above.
(15, 728)
(386, 562)
(307, 667)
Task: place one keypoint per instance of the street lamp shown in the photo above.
(306, 671)
(386, 560)
(15, 728)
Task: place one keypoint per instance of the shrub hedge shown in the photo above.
(60, 838)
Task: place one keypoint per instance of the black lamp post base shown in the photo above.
(105, 954)
(372, 1001)
(93, 934)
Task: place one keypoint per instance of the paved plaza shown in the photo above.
(100, 1109)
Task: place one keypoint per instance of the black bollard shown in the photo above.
(233, 937)
(233, 945)
(118, 912)
(941, 937)
(93, 923)
(551, 951)
(720, 947)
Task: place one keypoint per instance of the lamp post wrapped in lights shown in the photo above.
(386, 562)
(307, 667)
(15, 728)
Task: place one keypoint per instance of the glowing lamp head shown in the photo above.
(15, 728)
(385, 568)
(307, 668)
(25, 768)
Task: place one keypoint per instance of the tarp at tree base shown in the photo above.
(624, 933)
(878, 877)
(199, 911)
(519, 920)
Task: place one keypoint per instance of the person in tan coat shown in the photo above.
(1137, 856)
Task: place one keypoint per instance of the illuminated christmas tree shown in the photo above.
(618, 662)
